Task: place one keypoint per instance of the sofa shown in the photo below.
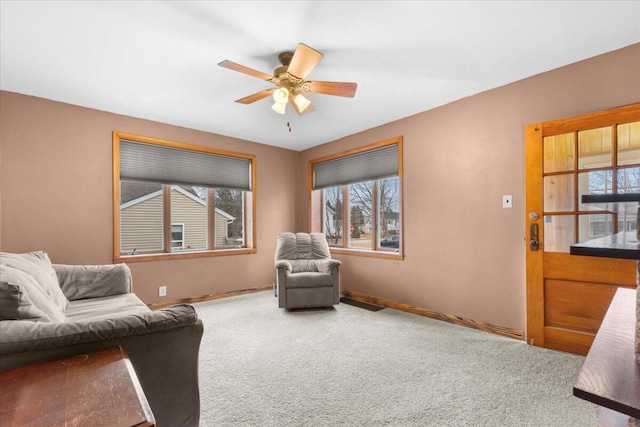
(51, 311)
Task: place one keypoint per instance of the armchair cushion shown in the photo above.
(293, 246)
(309, 280)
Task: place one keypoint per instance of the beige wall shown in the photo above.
(465, 254)
(56, 186)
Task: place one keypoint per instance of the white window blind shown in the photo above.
(369, 165)
(169, 165)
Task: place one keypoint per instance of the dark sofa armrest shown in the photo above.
(165, 357)
(20, 336)
(93, 281)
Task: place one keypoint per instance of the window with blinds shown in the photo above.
(356, 199)
(178, 200)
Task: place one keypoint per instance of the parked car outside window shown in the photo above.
(391, 242)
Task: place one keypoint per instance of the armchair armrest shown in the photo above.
(93, 281)
(20, 336)
(284, 264)
(328, 265)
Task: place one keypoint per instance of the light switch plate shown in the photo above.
(162, 291)
(507, 201)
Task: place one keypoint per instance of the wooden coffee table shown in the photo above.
(94, 389)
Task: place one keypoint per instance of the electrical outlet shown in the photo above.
(162, 291)
(507, 201)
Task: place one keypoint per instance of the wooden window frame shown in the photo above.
(166, 253)
(375, 251)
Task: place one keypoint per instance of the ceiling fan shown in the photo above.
(290, 81)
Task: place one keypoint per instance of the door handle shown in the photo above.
(533, 237)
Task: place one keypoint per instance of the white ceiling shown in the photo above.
(158, 60)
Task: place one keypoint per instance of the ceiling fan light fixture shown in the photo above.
(302, 102)
(281, 95)
(279, 108)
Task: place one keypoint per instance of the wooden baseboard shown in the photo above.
(203, 298)
(487, 327)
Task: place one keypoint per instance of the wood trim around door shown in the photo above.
(533, 204)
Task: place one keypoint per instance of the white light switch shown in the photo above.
(162, 291)
(507, 201)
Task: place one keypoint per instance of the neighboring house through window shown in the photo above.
(205, 197)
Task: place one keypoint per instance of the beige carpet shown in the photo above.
(346, 366)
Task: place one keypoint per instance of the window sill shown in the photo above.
(367, 253)
(182, 255)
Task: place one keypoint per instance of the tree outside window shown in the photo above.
(364, 216)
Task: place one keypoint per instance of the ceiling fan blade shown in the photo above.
(246, 70)
(303, 61)
(256, 96)
(332, 88)
(308, 110)
(295, 107)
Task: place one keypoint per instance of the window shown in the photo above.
(205, 196)
(356, 199)
(601, 160)
(177, 236)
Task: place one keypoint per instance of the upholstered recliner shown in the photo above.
(306, 276)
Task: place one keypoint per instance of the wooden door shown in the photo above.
(568, 295)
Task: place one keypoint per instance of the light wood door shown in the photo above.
(568, 295)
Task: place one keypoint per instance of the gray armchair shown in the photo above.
(306, 276)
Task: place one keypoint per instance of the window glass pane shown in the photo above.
(558, 193)
(332, 209)
(229, 218)
(596, 182)
(558, 233)
(627, 221)
(629, 143)
(177, 236)
(629, 180)
(389, 214)
(360, 215)
(188, 218)
(594, 148)
(141, 217)
(594, 226)
(559, 153)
